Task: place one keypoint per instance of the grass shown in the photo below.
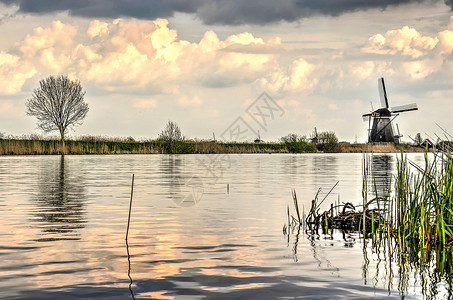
(36, 145)
(379, 148)
(420, 211)
(43, 147)
(11, 146)
(415, 228)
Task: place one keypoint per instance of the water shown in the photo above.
(202, 227)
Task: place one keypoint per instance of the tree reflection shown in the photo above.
(60, 202)
(171, 170)
(184, 188)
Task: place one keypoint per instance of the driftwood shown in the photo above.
(348, 219)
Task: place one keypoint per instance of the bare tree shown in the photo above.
(418, 139)
(58, 104)
(171, 132)
(171, 137)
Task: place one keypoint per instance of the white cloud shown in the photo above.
(422, 68)
(13, 73)
(405, 41)
(412, 54)
(148, 55)
(97, 28)
(185, 101)
(298, 78)
(58, 37)
(140, 55)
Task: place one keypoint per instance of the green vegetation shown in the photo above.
(172, 141)
(415, 226)
(297, 144)
(328, 142)
(99, 145)
(34, 145)
(423, 202)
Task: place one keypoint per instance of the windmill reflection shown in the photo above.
(380, 175)
(60, 202)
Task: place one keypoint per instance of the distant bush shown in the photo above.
(328, 142)
(297, 144)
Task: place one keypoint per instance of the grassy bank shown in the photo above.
(384, 148)
(98, 146)
(28, 146)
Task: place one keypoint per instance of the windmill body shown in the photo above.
(380, 121)
(382, 130)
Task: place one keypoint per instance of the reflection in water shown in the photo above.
(171, 170)
(129, 270)
(384, 264)
(60, 202)
(380, 176)
(228, 246)
(183, 187)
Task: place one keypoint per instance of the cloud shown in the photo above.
(145, 104)
(13, 73)
(415, 55)
(421, 68)
(148, 55)
(232, 12)
(58, 36)
(145, 56)
(405, 41)
(297, 78)
(185, 101)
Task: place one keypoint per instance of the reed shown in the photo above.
(416, 224)
(421, 209)
(379, 148)
(410, 226)
(38, 145)
(100, 145)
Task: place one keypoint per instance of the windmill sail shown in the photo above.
(406, 107)
(383, 93)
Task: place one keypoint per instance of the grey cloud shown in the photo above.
(142, 9)
(228, 12)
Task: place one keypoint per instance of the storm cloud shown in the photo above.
(227, 12)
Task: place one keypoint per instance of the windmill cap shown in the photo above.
(383, 112)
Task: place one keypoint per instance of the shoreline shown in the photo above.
(13, 147)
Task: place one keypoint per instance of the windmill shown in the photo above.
(259, 140)
(380, 127)
(315, 139)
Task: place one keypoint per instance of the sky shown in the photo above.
(250, 67)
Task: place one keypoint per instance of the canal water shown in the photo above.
(201, 227)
